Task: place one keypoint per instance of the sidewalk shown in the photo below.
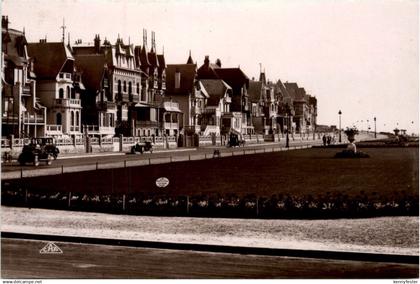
(372, 235)
(100, 154)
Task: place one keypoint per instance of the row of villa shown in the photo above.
(105, 90)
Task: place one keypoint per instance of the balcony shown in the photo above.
(74, 128)
(65, 77)
(101, 130)
(32, 118)
(170, 125)
(26, 90)
(104, 106)
(134, 98)
(74, 102)
(67, 102)
(147, 123)
(123, 97)
(53, 129)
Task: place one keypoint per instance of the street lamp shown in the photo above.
(287, 128)
(374, 119)
(339, 125)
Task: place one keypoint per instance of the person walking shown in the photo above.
(324, 140)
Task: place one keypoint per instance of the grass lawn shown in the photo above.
(388, 171)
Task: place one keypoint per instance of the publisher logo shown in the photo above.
(50, 248)
(162, 182)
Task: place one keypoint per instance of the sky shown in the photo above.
(360, 57)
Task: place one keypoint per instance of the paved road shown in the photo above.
(21, 259)
(122, 159)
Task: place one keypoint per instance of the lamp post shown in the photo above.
(374, 119)
(339, 125)
(287, 129)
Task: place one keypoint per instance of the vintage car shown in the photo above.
(235, 140)
(34, 154)
(47, 143)
(142, 147)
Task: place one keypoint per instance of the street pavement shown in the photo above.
(85, 162)
(21, 258)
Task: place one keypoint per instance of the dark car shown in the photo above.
(142, 147)
(47, 144)
(235, 140)
(34, 154)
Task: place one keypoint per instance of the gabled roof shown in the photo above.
(153, 58)
(255, 91)
(49, 58)
(161, 60)
(141, 56)
(188, 74)
(92, 69)
(216, 90)
(233, 76)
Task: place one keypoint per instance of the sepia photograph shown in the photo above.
(209, 139)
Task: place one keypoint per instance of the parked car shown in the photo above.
(47, 143)
(235, 140)
(34, 153)
(142, 147)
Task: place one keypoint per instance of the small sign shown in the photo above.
(50, 248)
(162, 182)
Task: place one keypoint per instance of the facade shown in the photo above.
(305, 109)
(217, 111)
(58, 87)
(285, 110)
(99, 110)
(182, 87)
(239, 82)
(170, 116)
(23, 114)
(153, 73)
(264, 105)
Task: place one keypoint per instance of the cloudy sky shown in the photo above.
(360, 57)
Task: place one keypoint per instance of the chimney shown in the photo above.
(206, 60)
(5, 22)
(177, 78)
(219, 63)
(97, 43)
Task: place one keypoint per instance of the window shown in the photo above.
(58, 119)
(119, 86)
(77, 118)
(61, 75)
(125, 87)
(72, 118)
(61, 93)
(138, 88)
(129, 88)
(68, 92)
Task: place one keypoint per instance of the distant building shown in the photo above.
(285, 108)
(305, 108)
(239, 82)
(217, 110)
(23, 114)
(58, 86)
(99, 108)
(264, 105)
(182, 87)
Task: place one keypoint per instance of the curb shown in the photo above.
(337, 255)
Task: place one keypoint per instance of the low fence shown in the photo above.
(79, 144)
(249, 206)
